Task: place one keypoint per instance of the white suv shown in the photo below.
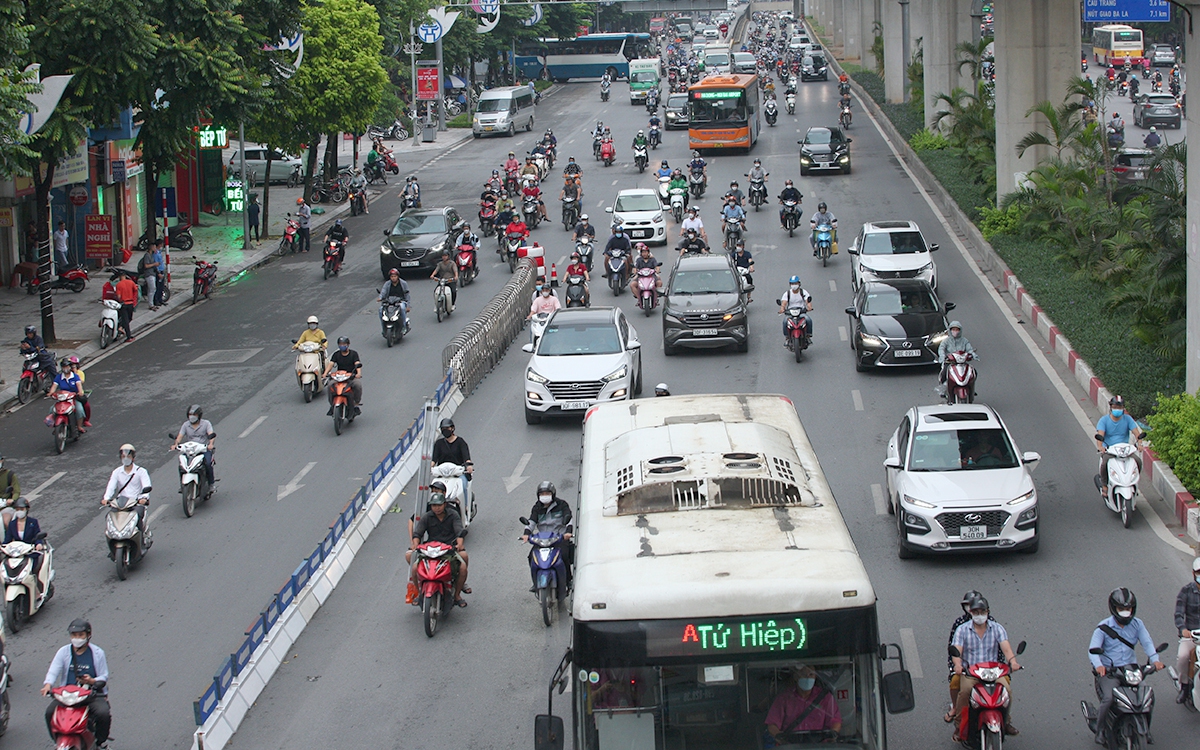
(957, 483)
(640, 211)
(891, 250)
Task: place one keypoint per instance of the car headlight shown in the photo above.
(843, 159)
(805, 160)
(869, 340)
(864, 271)
(385, 250)
(657, 217)
(926, 270)
(617, 374)
(919, 503)
(439, 247)
(1023, 498)
(531, 375)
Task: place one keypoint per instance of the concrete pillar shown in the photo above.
(893, 51)
(1037, 53)
(1191, 48)
(868, 15)
(836, 32)
(853, 48)
(948, 24)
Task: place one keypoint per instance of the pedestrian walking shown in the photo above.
(160, 258)
(61, 237)
(254, 209)
(127, 295)
(303, 215)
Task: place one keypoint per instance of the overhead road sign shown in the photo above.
(1126, 11)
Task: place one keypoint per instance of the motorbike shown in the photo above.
(458, 491)
(617, 270)
(1127, 726)
(537, 324)
(203, 279)
(24, 592)
(291, 228)
(374, 172)
(1122, 88)
(597, 141)
(696, 182)
(443, 301)
(69, 722)
(467, 268)
(640, 158)
(343, 399)
(410, 201)
(960, 378)
(651, 103)
(392, 319)
(435, 583)
(358, 200)
(987, 712)
(547, 566)
(542, 162)
(63, 420)
(608, 152)
(791, 216)
(1123, 479)
(583, 246)
(677, 203)
(389, 163)
(530, 212)
(843, 88)
(126, 545)
(1156, 87)
(512, 243)
(108, 321)
(647, 283)
(333, 257)
(310, 363)
(74, 278)
(296, 178)
(664, 191)
(797, 330)
(570, 213)
(144, 286)
(576, 293)
(758, 193)
(845, 117)
(604, 88)
(511, 182)
(1116, 137)
(193, 481)
(324, 190)
(824, 242)
(790, 103)
(1192, 698)
(487, 215)
(655, 136)
(34, 376)
(178, 237)
(771, 110)
(733, 233)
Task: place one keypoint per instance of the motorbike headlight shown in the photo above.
(533, 376)
(617, 374)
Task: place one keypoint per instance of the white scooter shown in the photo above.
(443, 300)
(677, 204)
(310, 363)
(1122, 480)
(790, 101)
(458, 490)
(1192, 698)
(126, 544)
(108, 321)
(536, 325)
(193, 480)
(25, 593)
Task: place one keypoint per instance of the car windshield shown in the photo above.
(639, 202)
(716, 58)
(492, 105)
(962, 450)
(677, 100)
(885, 300)
(704, 282)
(643, 76)
(569, 339)
(893, 243)
(420, 224)
(820, 137)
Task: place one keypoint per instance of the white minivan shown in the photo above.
(503, 110)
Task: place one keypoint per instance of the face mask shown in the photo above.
(193, 418)
(545, 499)
(344, 347)
(806, 683)
(1124, 614)
(78, 642)
(22, 513)
(127, 461)
(1198, 579)
(312, 326)
(979, 619)
(795, 287)
(1118, 412)
(546, 293)
(447, 432)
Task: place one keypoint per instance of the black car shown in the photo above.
(825, 148)
(897, 322)
(705, 305)
(676, 111)
(418, 238)
(814, 68)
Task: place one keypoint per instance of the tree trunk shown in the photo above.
(41, 186)
(331, 157)
(263, 218)
(151, 220)
(310, 169)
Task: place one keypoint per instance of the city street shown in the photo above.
(365, 675)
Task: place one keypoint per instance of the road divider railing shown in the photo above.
(481, 344)
(244, 674)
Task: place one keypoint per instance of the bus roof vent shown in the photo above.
(624, 478)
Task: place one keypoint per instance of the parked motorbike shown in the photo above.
(296, 178)
(393, 319)
(618, 270)
(845, 117)
(467, 268)
(193, 480)
(824, 242)
(733, 233)
(333, 257)
(771, 110)
(165, 292)
(34, 376)
(1127, 726)
(287, 243)
(791, 216)
(576, 293)
(583, 246)
(389, 163)
(647, 284)
(797, 338)
(435, 583)
(640, 158)
(960, 378)
(443, 302)
(74, 278)
(324, 190)
(124, 536)
(69, 722)
(310, 363)
(63, 420)
(570, 213)
(758, 193)
(204, 277)
(24, 592)
(790, 102)
(696, 182)
(987, 712)
(108, 321)
(547, 566)
(608, 152)
(654, 136)
(343, 399)
(1123, 476)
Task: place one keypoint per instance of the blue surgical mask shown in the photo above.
(1117, 412)
(344, 347)
(806, 683)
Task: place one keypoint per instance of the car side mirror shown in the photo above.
(635, 344)
(892, 462)
(608, 209)
(934, 247)
(849, 140)
(1030, 458)
(548, 732)
(950, 306)
(852, 312)
(853, 250)
(527, 348)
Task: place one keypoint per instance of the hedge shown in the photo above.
(1175, 436)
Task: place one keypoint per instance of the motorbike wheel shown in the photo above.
(339, 194)
(122, 561)
(641, 167)
(328, 269)
(25, 390)
(441, 310)
(339, 418)
(309, 391)
(390, 337)
(1126, 516)
(189, 499)
(991, 740)
(195, 293)
(17, 613)
(165, 293)
(106, 337)
(185, 242)
(60, 438)
(512, 262)
(315, 197)
(798, 349)
(824, 256)
(791, 229)
(77, 285)
(433, 608)
(547, 602)
(5, 712)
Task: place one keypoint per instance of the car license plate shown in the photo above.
(705, 332)
(575, 405)
(907, 353)
(823, 164)
(638, 233)
(489, 127)
(972, 533)
(1162, 111)
(410, 263)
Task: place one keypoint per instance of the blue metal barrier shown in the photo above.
(208, 701)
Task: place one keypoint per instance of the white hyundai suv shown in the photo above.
(640, 211)
(891, 250)
(957, 483)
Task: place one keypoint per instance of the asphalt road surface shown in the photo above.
(365, 675)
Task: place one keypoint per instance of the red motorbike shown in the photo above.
(343, 399)
(287, 243)
(797, 331)
(647, 283)
(608, 152)
(468, 269)
(389, 162)
(960, 378)
(64, 422)
(74, 278)
(511, 183)
(69, 722)
(333, 257)
(435, 583)
(982, 724)
(204, 278)
(487, 215)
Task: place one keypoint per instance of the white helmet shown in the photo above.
(1196, 566)
(313, 319)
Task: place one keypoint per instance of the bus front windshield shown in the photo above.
(719, 108)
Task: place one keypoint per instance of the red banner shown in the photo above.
(98, 236)
(427, 80)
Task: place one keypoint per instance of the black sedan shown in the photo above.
(814, 68)
(897, 322)
(417, 240)
(825, 148)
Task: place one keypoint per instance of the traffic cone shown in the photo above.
(553, 274)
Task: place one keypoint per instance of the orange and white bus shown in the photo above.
(723, 112)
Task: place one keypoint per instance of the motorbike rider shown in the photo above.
(652, 98)
(977, 642)
(758, 174)
(644, 260)
(549, 507)
(1187, 619)
(516, 228)
(600, 129)
(532, 191)
(1152, 139)
(130, 481)
(955, 679)
(530, 169)
(25, 528)
(578, 268)
(583, 227)
(789, 193)
(440, 524)
(656, 122)
(543, 301)
(450, 448)
(664, 170)
(574, 171)
(822, 216)
(797, 296)
(732, 210)
(618, 241)
(339, 233)
(447, 270)
(68, 380)
(33, 343)
(394, 287)
(844, 102)
(743, 259)
(312, 333)
(679, 182)
(1116, 127)
(346, 359)
(200, 430)
(692, 221)
(82, 663)
(359, 182)
(955, 342)
(374, 162)
(551, 143)
(1115, 427)
(511, 165)
(412, 189)
(640, 141)
(736, 193)
(691, 243)
(1116, 636)
(494, 185)
(570, 189)
(698, 164)
(505, 214)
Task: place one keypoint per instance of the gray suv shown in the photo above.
(705, 305)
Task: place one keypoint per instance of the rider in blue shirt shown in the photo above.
(1115, 427)
(1116, 637)
(663, 170)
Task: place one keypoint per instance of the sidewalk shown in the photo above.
(217, 239)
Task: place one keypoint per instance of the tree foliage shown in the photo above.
(15, 86)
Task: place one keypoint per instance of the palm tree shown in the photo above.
(1065, 127)
(974, 55)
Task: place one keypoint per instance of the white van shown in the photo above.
(503, 110)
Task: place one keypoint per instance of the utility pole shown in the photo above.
(1191, 68)
(441, 89)
(245, 186)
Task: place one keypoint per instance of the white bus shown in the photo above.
(712, 560)
(1114, 42)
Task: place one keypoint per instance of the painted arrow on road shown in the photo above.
(514, 480)
(292, 486)
(41, 487)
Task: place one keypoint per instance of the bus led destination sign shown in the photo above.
(718, 94)
(737, 636)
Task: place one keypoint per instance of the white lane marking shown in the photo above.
(858, 404)
(42, 487)
(292, 486)
(832, 285)
(614, 182)
(156, 513)
(600, 204)
(499, 265)
(842, 333)
(253, 424)
(880, 500)
(570, 141)
(514, 480)
(912, 659)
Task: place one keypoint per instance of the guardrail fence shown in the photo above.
(481, 344)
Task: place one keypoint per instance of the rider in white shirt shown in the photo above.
(693, 221)
(797, 296)
(129, 481)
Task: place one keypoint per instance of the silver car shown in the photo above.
(282, 165)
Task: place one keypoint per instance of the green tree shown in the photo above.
(974, 56)
(15, 86)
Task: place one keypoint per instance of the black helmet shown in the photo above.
(1117, 401)
(437, 485)
(967, 597)
(195, 409)
(446, 426)
(821, 206)
(977, 602)
(30, 329)
(1120, 599)
(80, 625)
(343, 340)
(21, 503)
(546, 486)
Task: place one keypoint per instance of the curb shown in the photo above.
(1164, 481)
